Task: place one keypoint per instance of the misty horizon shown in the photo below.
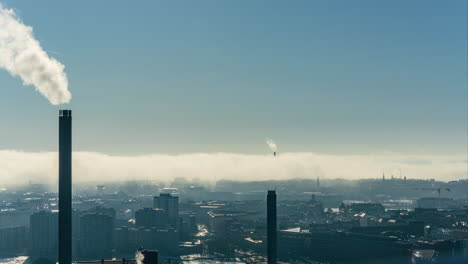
(211, 167)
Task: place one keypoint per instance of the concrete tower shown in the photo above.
(170, 205)
(65, 187)
(271, 227)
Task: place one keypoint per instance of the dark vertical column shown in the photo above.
(150, 256)
(65, 187)
(271, 227)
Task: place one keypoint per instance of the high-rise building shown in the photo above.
(271, 227)
(14, 218)
(13, 240)
(44, 234)
(65, 187)
(96, 236)
(120, 240)
(170, 205)
(149, 218)
(165, 241)
(102, 210)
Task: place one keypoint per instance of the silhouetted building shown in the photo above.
(120, 239)
(13, 240)
(96, 236)
(65, 187)
(150, 256)
(165, 241)
(294, 243)
(170, 205)
(271, 227)
(14, 218)
(149, 217)
(44, 234)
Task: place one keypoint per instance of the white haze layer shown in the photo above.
(22, 56)
(18, 167)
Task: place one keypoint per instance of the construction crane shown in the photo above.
(433, 189)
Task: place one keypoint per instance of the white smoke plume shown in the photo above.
(22, 56)
(139, 257)
(271, 144)
(18, 167)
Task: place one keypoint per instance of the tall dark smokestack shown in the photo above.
(271, 227)
(65, 187)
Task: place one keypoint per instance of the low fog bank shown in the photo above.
(17, 167)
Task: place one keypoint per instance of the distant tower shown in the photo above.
(383, 176)
(44, 234)
(65, 187)
(96, 235)
(318, 183)
(271, 227)
(274, 153)
(170, 205)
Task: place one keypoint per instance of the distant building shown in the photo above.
(435, 202)
(150, 256)
(102, 210)
(13, 239)
(220, 223)
(165, 241)
(14, 218)
(187, 227)
(96, 236)
(120, 240)
(149, 218)
(368, 208)
(294, 242)
(170, 205)
(144, 257)
(44, 234)
(334, 246)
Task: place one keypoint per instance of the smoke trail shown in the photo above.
(271, 144)
(139, 257)
(22, 55)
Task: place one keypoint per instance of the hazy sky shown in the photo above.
(339, 77)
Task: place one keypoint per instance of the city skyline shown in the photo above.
(266, 132)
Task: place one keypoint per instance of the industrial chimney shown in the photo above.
(65, 187)
(271, 227)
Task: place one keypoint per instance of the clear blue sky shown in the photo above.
(204, 76)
